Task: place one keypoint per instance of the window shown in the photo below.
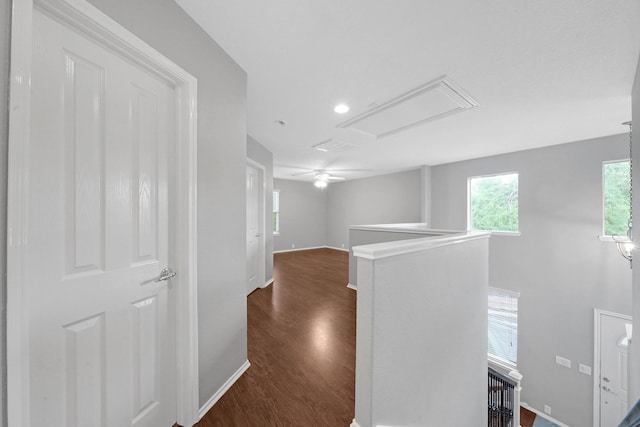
(276, 211)
(503, 325)
(493, 203)
(616, 176)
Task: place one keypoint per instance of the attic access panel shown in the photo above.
(333, 145)
(435, 100)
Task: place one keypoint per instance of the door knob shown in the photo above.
(165, 274)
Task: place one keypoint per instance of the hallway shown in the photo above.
(301, 344)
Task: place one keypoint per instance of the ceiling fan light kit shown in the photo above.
(322, 178)
(320, 183)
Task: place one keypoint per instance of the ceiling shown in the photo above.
(542, 72)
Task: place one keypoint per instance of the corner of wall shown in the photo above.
(634, 348)
(5, 49)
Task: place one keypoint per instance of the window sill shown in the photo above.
(276, 233)
(502, 233)
(609, 238)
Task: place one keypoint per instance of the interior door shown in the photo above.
(101, 330)
(613, 370)
(255, 234)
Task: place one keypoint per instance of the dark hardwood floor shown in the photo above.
(527, 417)
(301, 344)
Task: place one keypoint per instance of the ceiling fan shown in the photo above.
(332, 174)
(321, 178)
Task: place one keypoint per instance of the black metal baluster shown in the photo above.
(500, 400)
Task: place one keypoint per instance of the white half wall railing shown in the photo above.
(421, 344)
(360, 235)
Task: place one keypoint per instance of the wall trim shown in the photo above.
(401, 247)
(350, 286)
(309, 249)
(268, 282)
(17, 369)
(354, 423)
(222, 390)
(262, 209)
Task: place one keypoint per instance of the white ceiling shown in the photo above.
(543, 72)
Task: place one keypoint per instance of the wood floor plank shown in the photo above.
(527, 417)
(301, 345)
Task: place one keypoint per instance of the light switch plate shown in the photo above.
(563, 362)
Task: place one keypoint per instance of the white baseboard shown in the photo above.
(337, 249)
(355, 424)
(267, 283)
(543, 415)
(350, 286)
(299, 249)
(309, 248)
(222, 390)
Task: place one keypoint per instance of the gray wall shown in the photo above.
(303, 215)
(384, 199)
(222, 142)
(634, 348)
(264, 157)
(404, 374)
(5, 13)
(310, 217)
(558, 265)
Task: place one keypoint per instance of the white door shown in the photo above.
(101, 330)
(613, 369)
(255, 233)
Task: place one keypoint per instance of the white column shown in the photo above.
(425, 181)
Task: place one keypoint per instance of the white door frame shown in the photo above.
(597, 314)
(90, 21)
(263, 215)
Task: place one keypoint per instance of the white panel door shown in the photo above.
(101, 330)
(254, 228)
(613, 370)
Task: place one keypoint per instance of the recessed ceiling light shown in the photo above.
(341, 108)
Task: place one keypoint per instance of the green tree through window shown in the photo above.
(616, 198)
(493, 202)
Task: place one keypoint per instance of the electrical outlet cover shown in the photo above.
(584, 369)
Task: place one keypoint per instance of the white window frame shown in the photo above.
(495, 358)
(276, 232)
(493, 232)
